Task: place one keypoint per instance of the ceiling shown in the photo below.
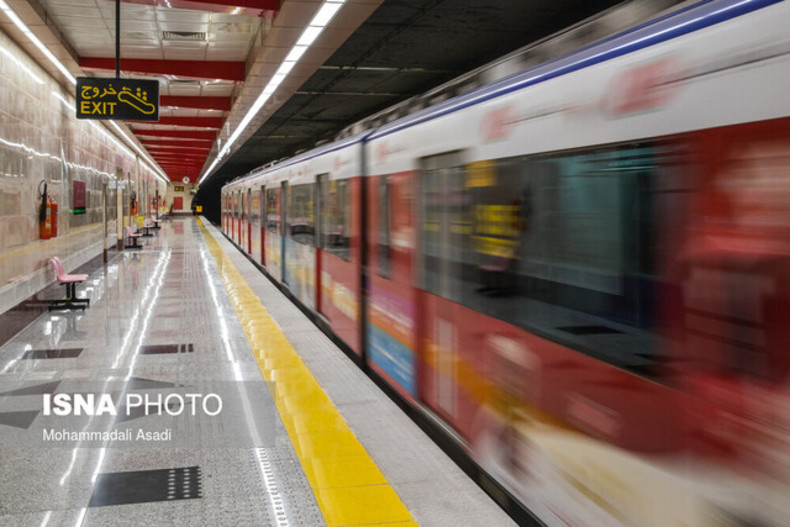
(404, 48)
(213, 58)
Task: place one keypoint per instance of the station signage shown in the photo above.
(117, 99)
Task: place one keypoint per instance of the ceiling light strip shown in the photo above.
(316, 26)
(34, 39)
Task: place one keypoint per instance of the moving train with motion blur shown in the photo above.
(580, 271)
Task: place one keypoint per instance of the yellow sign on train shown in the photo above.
(117, 99)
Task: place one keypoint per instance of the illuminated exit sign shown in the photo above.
(117, 99)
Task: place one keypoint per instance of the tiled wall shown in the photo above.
(41, 140)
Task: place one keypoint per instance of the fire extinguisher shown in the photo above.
(44, 218)
(53, 205)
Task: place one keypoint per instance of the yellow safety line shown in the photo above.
(349, 487)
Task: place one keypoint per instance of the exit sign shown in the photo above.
(117, 99)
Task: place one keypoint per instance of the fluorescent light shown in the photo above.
(308, 36)
(285, 68)
(34, 39)
(325, 14)
(279, 77)
(296, 53)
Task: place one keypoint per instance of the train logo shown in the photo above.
(497, 124)
(642, 88)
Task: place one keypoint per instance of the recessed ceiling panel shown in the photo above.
(190, 27)
(182, 16)
(217, 90)
(184, 90)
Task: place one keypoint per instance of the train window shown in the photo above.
(562, 245)
(272, 211)
(300, 214)
(444, 225)
(383, 247)
(336, 221)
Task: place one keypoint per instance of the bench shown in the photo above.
(70, 281)
(146, 228)
(133, 236)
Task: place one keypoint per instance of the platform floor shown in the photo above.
(303, 438)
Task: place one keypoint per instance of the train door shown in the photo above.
(320, 185)
(263, 225)
(442, 215)
(242, 218)
(240, 215)
(236, 216)
(392, 322)
(283, 230)
(340, 257)
(249, 221)
(232, 214)
(272, 250)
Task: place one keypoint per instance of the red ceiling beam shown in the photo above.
(262, 8)
(177, 172)
(198, 69)
(202, 103)
(181, 160)
(165, 142)
(186, 134)
(180, 151)
(202, 122)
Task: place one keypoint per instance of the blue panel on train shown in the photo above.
(393, 357)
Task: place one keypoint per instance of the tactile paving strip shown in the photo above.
(119, 488)
(319, 434)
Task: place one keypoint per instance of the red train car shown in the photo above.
(581, 270)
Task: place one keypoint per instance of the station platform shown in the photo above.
(302, 436)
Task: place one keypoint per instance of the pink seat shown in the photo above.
(63, 277)
(133, 236)
(70, 281)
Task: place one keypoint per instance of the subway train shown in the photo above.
(580, 272)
